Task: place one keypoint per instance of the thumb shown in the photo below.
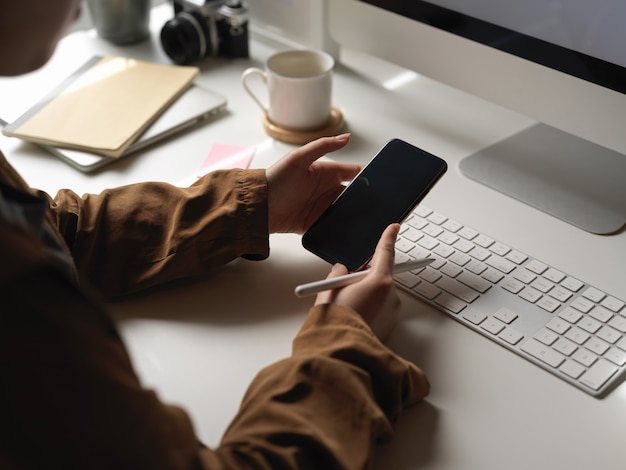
(384, 257)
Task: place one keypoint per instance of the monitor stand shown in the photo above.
(568, 177)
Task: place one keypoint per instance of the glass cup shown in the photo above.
(121, 21)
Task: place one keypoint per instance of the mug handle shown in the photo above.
(244, 80)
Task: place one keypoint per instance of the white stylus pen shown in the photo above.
(327, 284)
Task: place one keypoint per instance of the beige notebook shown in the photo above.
(104, 106)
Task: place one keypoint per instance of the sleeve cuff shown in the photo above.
(342, 334)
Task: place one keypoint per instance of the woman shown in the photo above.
(70, 397)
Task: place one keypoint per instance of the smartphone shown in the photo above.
(385, 191)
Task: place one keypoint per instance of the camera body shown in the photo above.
(206, 28)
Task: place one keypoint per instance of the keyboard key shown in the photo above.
(411, 234)
(407, 279)
(422, 211)
(601, 314)
(448, 238)
(506, 315)
(492, 275)
(582, 304)
(480, 254)
(613, 304)
(427, 290)
(483, 241)
(500, 248)
(427, 242)
(476, 267)
(437, 264)
(594, 294)
(548, 304)
(432, 230)
(451, 270)
(511, 335)
(404, 245)
(585, 357)
(401, 257)
(589, 324)
(443, 250)
(525, 276)
(417, 222)
(513, 286)
(560, 294)
(619, 323)
(565, 346)
(468, 233)
(616, 356)
(430, 275)
(546, 336)
(460, 258)
(452, 225)
(450, 302)
(558, 325)
(572, 284)
(493, 325)
(529, 294)
(572, 368)
(457, 289)
(500, 264)
(474, 281)
(516, 256)
(464, 246)
(542, 285)
(570, 315)
(543, 353)
(536, 267)
(597, 345)
(577, 335)
(598, 374)
(436, 218)
(608, 334)
(418, 253)
(554, 275)
(474, 316)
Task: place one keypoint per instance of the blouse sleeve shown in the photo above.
(133, 237)
(328, 404)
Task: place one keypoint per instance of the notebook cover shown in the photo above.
(104, 106)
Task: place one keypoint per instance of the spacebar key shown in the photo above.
(543, 353)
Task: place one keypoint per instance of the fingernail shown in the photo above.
(343, 137)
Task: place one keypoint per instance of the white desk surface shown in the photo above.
(200, 343)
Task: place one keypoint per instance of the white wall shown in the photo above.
(84, 22)
(301, 22)
(296, 22)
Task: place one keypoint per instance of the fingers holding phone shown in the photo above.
(385, 191)
(375, 297)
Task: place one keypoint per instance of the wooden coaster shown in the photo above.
(292, 136)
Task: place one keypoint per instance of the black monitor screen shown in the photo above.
(583, 38)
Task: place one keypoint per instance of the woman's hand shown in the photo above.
(374, 297)
(301, 188)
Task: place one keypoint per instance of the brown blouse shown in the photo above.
(69, 396)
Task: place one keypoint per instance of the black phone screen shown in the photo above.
(385, 191)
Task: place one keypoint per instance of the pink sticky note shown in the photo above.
(226, 156)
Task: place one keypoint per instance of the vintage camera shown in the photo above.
(205, 28)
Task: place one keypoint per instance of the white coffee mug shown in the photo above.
(299, 85)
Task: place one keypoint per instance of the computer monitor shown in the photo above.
(560, 62)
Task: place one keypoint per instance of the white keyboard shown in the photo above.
(562, 324)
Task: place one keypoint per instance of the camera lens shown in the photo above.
(185, 38)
